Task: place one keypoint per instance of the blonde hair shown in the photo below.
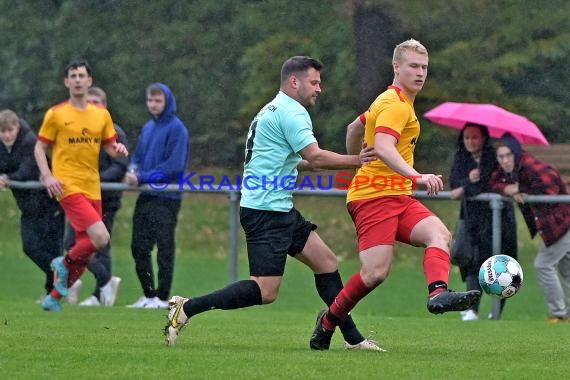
(8, 118)
(98, 92)
(408, 45)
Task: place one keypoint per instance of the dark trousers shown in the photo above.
(42, 239)
(154, 223)
(100, 262)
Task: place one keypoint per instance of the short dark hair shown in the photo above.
(298, 64)
(77, 64)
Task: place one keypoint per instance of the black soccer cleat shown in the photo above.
(321, 338)
(449, 300)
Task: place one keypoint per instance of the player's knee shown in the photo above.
(373, 277)
(327, 264)
(446, 236)
(100, 239)
(441, 238)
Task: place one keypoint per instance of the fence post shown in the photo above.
(496, 205)
(234, 214)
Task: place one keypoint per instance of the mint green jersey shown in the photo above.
(277, 134)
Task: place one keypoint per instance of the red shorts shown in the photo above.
(81, 212)
(383, 220)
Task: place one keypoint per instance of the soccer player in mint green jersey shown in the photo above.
(279, 143)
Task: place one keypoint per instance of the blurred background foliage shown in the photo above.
(222, 60)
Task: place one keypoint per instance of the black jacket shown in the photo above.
(19, 164)
(478, 215)
(113, 170)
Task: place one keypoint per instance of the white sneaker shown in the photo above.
(109, 291)
(91, 301)
(73, 292)
(469, 315)
(141, 302)
(156, 303)
(176, 319)
(366, 345)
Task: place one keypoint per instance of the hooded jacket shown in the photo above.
(19, 164)
(535, 177)
(162, 150)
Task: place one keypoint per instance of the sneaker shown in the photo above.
(557, 319)
(109, 291)
(73, 292)
(91, 301)
(141, 302)
(469, 315)
(51, 304)
(321, 338)
(161, 304)
(41, 300)
(60, 274)
(366, 345)
(176, 319)
(156, 303)
(452, 301)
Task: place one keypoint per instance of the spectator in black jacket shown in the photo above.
(473, 163)
(41, 220)
(110, 170)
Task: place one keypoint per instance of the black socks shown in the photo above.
(238, 295)
(328, 286)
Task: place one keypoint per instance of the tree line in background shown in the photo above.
(222, 60)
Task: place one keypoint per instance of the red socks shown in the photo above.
(354, 290)
(436, 269)
(83, 248)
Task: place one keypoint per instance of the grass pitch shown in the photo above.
(267, 341)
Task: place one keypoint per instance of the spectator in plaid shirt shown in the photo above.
(521, 174)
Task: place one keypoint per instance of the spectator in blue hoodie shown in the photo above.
(161, 154)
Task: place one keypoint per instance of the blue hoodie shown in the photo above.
(163, 147)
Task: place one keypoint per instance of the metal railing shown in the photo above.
(495, 201)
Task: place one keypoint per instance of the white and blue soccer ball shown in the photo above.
(501, 276)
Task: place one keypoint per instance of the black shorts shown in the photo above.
(271, 236)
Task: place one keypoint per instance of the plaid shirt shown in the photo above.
(536, 177)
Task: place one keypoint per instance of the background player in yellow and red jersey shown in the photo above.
(380, 202)
(75, 131)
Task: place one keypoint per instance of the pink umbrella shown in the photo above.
(497, 119)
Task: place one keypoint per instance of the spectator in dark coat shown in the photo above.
(473, 163)
(521, 174)
(41, 220)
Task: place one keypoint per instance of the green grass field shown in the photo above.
(270, 341)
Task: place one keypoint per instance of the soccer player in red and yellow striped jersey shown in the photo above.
(380, 202)
(75, 131)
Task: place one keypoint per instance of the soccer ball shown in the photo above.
(501, 276)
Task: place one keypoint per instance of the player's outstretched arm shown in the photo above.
(318, 158)
(385, 149)
(116, 149)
